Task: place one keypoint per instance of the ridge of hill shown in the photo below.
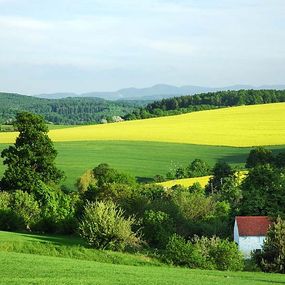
(156, 92)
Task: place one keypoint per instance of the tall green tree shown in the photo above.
(272, 256)
(259, 156)
(31, 158)
(263, 191)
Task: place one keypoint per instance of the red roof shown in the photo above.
(252, 225)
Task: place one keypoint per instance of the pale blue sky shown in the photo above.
(93, 45)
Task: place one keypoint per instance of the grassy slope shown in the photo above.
(236, 126)
(23, 268)
(68, 246)
(141, 159)
(33, 269)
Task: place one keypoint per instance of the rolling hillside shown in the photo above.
(35, 259)
(242, 126)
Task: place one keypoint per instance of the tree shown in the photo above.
(221, 171)
(259, 156)
(263, 191)
(31, 158)
(198, 168)
(272, 256)
(280, 160)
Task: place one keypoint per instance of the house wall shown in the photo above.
(247, 244)
(236, 235)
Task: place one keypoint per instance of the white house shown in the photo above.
(250, 232)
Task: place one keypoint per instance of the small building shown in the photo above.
(250, 232)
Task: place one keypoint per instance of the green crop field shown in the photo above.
(39, 268)
(141, 159)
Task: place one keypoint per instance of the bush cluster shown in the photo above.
(206, 253)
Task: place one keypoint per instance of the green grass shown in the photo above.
(34, 269)
(68, 247)
(41, 259)
(141, 159)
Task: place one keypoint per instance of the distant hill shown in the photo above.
(156, 92)
(73, 111)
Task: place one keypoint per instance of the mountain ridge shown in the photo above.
(155, 92)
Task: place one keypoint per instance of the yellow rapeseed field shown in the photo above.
(186, 182)
(237, 126)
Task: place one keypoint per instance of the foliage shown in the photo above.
(272, 256)
(206, 101)
(104, 226)
(259, 156)
(57, 209)
(263, 192)
(31, 158)
(222, 253)
(221, 171)
(198, 168)
(84, 181)
(27, 208)
(207, 253)
(182, 253)
(72, 111)
(157, 228)
(18, 211)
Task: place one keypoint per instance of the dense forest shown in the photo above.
(73, 111)
(206, 101)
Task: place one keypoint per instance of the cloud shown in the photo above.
(213, 42)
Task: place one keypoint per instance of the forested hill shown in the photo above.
(206, 101)
(64, 111)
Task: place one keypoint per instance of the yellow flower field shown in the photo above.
(237, 126)
(186, 182)
(203, 180)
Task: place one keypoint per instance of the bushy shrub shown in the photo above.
(57, 209)
(104, 226)
(206, 253)
(85, 181)
(18, 211)
(8, 219)
(157, 228)
(26, 208)
(183, 253)
(223, 254)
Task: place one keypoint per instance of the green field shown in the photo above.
(25, 268)
(141, 159)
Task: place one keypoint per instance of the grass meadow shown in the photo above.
(141, 159)
(35, 265)
(242, 126)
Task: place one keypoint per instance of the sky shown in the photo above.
(104, 45)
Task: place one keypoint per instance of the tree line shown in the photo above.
(206, 101)
(67, 111)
